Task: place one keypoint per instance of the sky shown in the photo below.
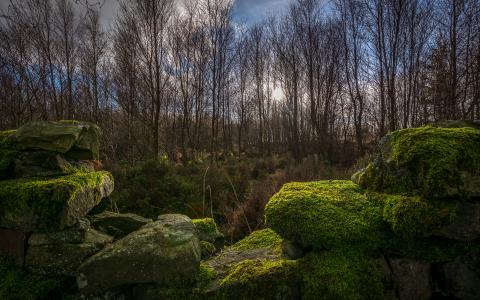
(244, 11)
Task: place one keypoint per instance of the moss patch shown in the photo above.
(340, 275)
(206, 225)
(260, 279)
(260, 239)
(428, 161)
(412, 217)
(205, 275)
(41, 201)
(324, 215)
(208, 249)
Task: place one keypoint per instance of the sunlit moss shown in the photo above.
(260, 239)
(324, 214)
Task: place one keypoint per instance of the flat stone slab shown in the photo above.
(51, 204)
(80, 140)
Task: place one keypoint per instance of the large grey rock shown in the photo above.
(166, 252)
(79, 140)
(462, 277)
(117, 225)
(62, 252)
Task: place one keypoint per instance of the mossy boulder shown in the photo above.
(116, 224)
(79, 140)
(51, 204)
(166, 252)
(260, 279)
(253, 268)
(208, 231)
(62, 252)
(324, 215)
(433, 162)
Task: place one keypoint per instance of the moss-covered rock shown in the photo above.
(340, 274)
(62, 252)
(208, 231)
(324, 215)
(413, 217)
(51, 204)
(116, 224)
(79, 140)
(432, 162)
(166, 251)
(260, 279)
(264, 238)
(208, 249)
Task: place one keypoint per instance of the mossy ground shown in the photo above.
(46, 197)
(436, 160)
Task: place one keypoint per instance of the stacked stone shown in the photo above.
(48, 191)
(410, 220)
(48, 184)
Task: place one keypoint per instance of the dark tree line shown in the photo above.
(326, 77)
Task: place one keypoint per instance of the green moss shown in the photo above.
(249, 270)
(208, 249)
(428, 161)
(413, 217)
(340, 275)
(17, 284)
(260, 239)
(44, 199)
(260, 279)
(205, 275)
(324, 214)
(206, 225)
